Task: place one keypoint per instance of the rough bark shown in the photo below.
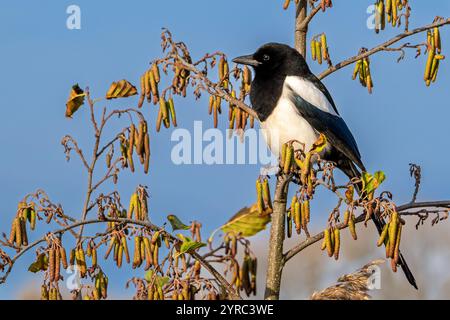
(277, 231)
(301, 29)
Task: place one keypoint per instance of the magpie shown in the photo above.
(292, 104)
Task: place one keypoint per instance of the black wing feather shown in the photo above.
(333, 127)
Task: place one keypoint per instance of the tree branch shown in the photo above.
(95, 155)
(382, 47)
(311, 240)
(301, 26)
(428, 204)
(106, 146)
(217, 90)
(65, 142)
(401, 209)
(107, 175)
(308, 18)
(223, 282)
(277, 230)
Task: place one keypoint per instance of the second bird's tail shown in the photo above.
(352, 172)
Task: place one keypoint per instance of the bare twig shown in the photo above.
(65, 142)
(232, 293)
(415, 172)
(403, 210)
(108, 175)
(217, 90)
(382, 47)
(96, 154)
(305, 22)
(312, 240)
(109, 144)
(427, 204)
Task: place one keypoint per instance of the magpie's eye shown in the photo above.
(266, 57)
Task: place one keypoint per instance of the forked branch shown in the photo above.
(382, 47)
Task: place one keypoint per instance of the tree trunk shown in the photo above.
(277, 231)
(301, 32)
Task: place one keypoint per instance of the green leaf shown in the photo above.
(182, 237)
(41, 264)
(247, 222)
(372, 182)
(188, 245)
(176, 223)
(159, 281)
(380, 177)
(149, 275)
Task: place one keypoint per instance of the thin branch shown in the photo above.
(107, 175)
(89, 191)
(223, 282)
(92, 112)
(416, 172)
(312, 240)
(308, 18)
(106, 146)
(401, 209)
(95, 155)
(65, 142)
(106, 118)
(217, 90)
(382, 47)
(120, 112)
(429, 204)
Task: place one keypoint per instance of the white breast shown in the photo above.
(285, 124)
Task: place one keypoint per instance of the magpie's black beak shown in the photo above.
(247, 60)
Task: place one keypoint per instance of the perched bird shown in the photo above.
(294, 105)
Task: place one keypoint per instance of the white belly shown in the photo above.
(285, 124)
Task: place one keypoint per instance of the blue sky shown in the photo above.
(402, 122)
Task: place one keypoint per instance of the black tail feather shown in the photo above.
(352, 172)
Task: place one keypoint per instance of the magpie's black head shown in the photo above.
(275, 59)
